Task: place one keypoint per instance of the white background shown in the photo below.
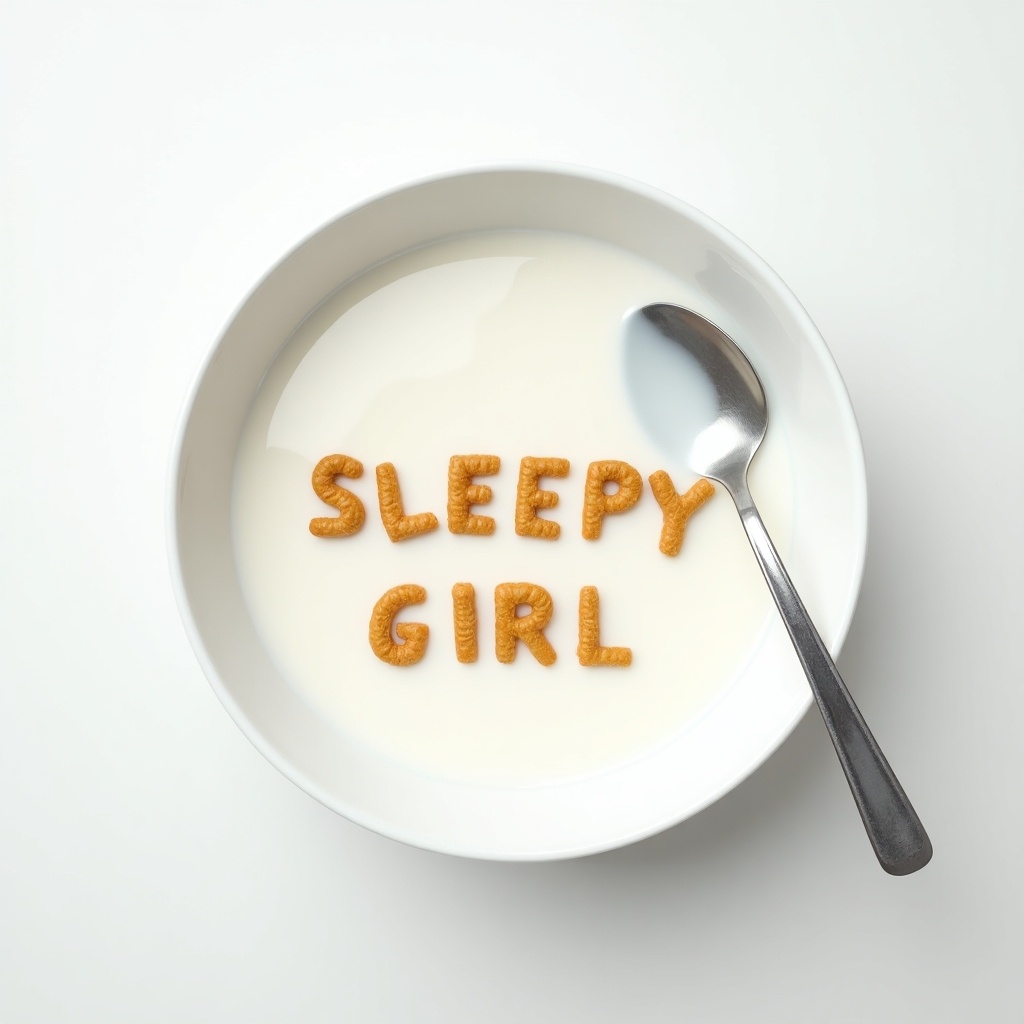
(156, 161)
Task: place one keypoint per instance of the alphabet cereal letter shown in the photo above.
(676, 509)
(590, 651)
(597, 504)
(392, 514)
(463, 493)
(464, 613)
(351, 513)
(509, 627)
(414, 634)
(529, 497)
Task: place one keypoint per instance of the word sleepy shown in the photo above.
(404, 643)
(464, 494)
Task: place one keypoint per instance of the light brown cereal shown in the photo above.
(676, 509)
(597, 504)
(510, 627)
(590, 651)
(351, 514)
(413, 634)
(529, 497)
(463, 493)
(464, 613)
(398, 525)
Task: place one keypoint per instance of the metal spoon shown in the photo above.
(722, 450)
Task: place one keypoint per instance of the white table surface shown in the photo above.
(156, 161)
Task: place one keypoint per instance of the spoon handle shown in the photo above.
(896, 833)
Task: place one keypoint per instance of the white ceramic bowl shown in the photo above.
(568, 816)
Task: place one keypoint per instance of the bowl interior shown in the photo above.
(572, 816)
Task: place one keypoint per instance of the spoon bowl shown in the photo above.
(719, 422)
(724, 442)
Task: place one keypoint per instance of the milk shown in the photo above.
(510, 344)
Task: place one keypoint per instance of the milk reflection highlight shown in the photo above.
(672, 395)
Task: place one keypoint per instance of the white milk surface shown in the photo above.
(507, 344)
